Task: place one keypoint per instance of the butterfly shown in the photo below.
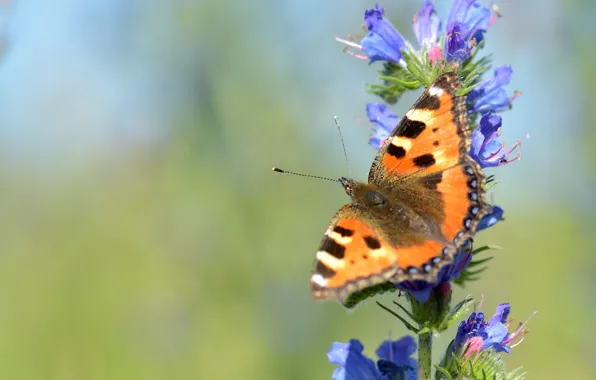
(423, 201)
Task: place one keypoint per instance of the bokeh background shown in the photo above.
(144, 236)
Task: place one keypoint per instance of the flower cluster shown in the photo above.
(467, 24)
(405, 67)
(394, 360)
(475, 334)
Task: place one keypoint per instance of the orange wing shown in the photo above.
(427, 153)
(432, 136)
(459, 192)
(351, 257)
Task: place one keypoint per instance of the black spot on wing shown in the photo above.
(425, 160)
(372, 242)
(343, 231)
(429, 102)
(432, 180)
(334, 249)
(410, 128)
(324, 270)
(396, 151)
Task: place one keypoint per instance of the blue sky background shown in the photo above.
(82, 79)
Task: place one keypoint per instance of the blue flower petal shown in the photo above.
(485, 149)
(381, 116)
(378, 49)
(476, 21)
(490, 96)
(466, 25)
(418, 289)
(496, 334)
(338, 352)
(350, 358)
(456, 46)
(489, 125)
(458, 11)
(383, 43)
(501, 314)
(490, 219)
(385, 121)
(391, 371)
(339, 374)
(490, 151)
(427, 24)
(397, 351)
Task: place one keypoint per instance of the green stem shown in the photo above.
(425, 345)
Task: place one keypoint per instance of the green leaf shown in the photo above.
(477, 271)
(484, 248)
(405, 310)
(479, 262)
(361, 295)
(455, 313)
(408, 325)
(443, 372)
(491, 185)
(411, 85)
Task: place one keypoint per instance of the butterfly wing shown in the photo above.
(432, 136)
(427, 155)
(351, 256)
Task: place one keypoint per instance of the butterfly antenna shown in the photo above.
(278, 170)
(342, 143)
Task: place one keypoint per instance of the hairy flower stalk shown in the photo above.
(406, 67)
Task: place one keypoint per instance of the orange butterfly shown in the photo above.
(423, 201)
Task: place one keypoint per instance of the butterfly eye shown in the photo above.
(372, 198)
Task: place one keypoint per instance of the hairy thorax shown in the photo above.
(399, 221)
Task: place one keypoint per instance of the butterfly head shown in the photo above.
(349, 185)
(361, 193)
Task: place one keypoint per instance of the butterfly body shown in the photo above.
(422, 202)
(390, 211)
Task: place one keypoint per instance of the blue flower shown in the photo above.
(383, 42)
(485, 149)
(394, 360)
(385, 121)
(490, 96)
(421, 290)
(476, 334)
(427, 25)
(466, 25)
(490, 219)
(353, 364)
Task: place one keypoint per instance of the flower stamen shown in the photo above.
(495, 15)
(517, 145)
(516, 94)
(351, 43)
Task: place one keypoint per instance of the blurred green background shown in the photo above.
(143, 235)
